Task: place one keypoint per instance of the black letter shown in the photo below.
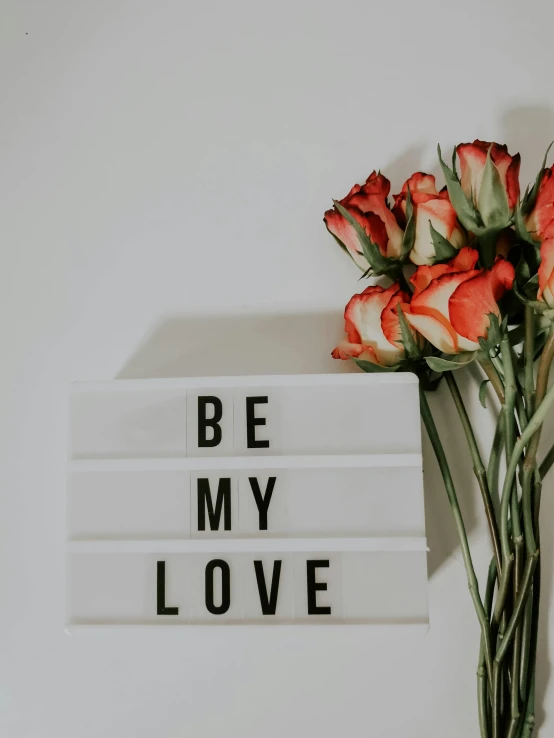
(225, 587)
(205, 500)
(162, 609)
(204, 422)
(252, 421)
(269, 604)
(262, 502)
(313, 587)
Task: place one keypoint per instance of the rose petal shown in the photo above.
(434, 331)
(442, 216)
(511, 181)
(372, 198)
(390, 322)
(341, 229)
(435, 299)
(346, 350)
(363, 323)
(464, 260)
(473, 158)
(546, 268)
(472, 163)
(476, 298)
(543, 212)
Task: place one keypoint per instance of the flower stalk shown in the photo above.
(483, 292)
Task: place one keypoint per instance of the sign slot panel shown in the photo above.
(255, 503)
(313, 587)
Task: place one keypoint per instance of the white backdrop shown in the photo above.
(165, 167)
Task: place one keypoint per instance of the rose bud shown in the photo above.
(542, 214)
(429, 208)
(497, 200)
(368, 204)
(546, 267)
(452, 302)
(372, 326)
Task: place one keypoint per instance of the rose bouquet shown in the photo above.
(468, 277)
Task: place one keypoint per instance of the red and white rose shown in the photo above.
(473, 158)
(452, 302)
(372, 327)
(429, 207)
(368, 204)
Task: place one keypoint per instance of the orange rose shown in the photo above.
(542, 214)
(372, 326)
(452, 302)
(429, 208)
(368, 205)
(473, 157)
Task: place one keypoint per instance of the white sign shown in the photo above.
(288, 499)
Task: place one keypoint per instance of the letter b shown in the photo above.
(205, 422)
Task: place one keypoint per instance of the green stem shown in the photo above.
(494, 378)
(526, 646)
(482, 690)
(516, 653)
(478, 466)
(534, 424)
(529, 721)
(460, 527)
(547, 463)
(519, 607)
(531, 456)
(529, 356)
(496, 682)
(494, 462)
(510, 388)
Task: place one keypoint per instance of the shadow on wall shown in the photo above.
(528, 129)
(239, 344)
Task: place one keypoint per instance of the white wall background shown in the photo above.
(164, 170)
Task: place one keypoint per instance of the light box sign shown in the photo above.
(288, 499)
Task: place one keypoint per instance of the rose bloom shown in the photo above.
(542, 214)
(452, 301)
(372, 326)
(473, 157)
(429, 206)
(368, 204)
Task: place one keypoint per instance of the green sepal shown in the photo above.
(521, 228)
(371, 368)
(408, 239)
(467, 213)
(493, 200)
(483, 393)
(495, 334)
(528, 296)
(443, 248)
(530, 197)
(411, 346)
(487, 247)
(369, 249)
(368, 273)
(455, 361)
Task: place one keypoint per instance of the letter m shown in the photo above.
(205, 502)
